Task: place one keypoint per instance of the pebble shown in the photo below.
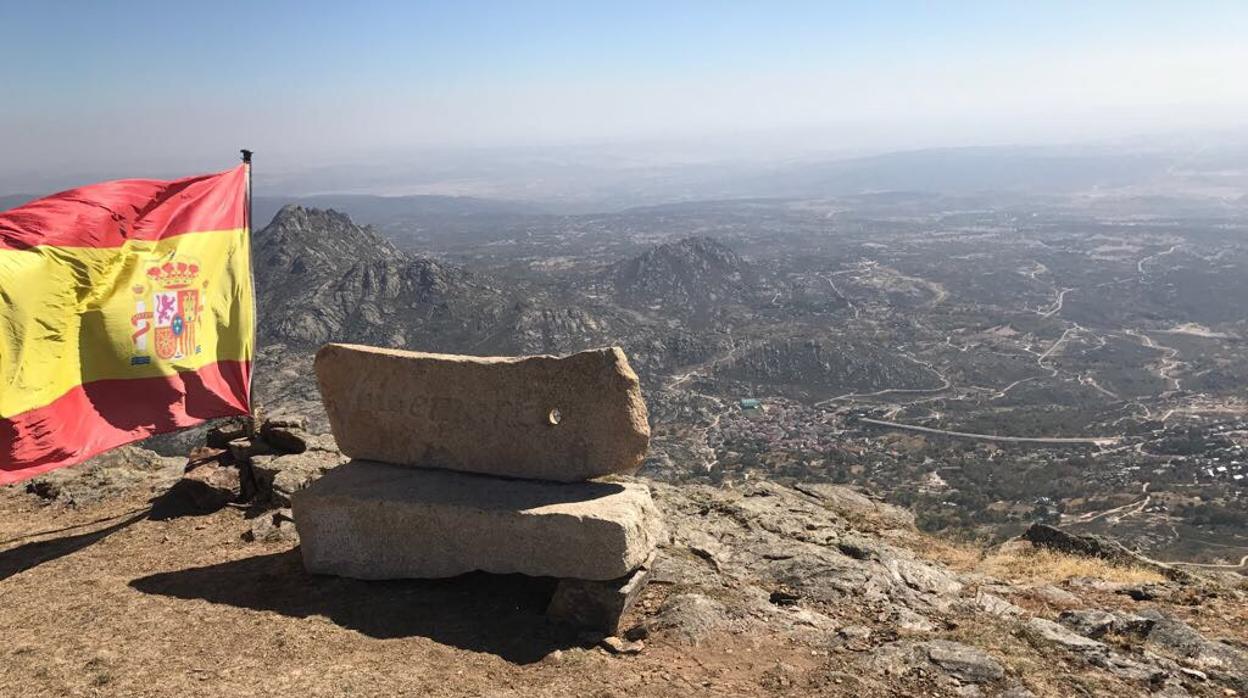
(618, 645)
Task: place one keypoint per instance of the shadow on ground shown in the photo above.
(33, 554)
(185, 498)
(498, 614)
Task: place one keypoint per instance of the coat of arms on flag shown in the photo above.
(167, 308)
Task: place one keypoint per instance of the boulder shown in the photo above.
(371, 520)
(206, 487)
(566, 419)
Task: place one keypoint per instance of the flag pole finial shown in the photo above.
(246, 155)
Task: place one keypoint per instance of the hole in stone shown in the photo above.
(555, 416)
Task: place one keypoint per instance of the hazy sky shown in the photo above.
(172, 84)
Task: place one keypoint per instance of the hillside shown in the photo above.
(920, 310)
(128, 576)
(762, 589)
(689, 277)
(320, 277)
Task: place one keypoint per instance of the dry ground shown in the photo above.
(102, 600)
(184, 607)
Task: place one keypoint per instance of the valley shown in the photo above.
(988, 362)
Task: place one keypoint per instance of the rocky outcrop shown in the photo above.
(826, 565)
(964, 663)
(1097, 546)
(827, 366)
(108, 475)
(818, 567)
(688, 277)
(320, 278)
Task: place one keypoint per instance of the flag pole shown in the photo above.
(251, 270)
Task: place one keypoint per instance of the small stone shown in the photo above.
(1089, 623)
(1195, 673)
(618, 645)
(859, 633)
(597, 605)
(1059, 598)
(272, 527)
(964, 662)
(1041, 631)
(290, 422)
(906, 619)
(997, 606)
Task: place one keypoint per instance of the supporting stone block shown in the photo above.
(379, 521)
(598, 605)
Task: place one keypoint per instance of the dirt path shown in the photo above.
(678, 379)
(1169, 361)
(1052, 348)
(1139, 266)
(1057, 304)
(1116, 514)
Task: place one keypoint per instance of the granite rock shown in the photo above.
(567, 419)
(371, 520)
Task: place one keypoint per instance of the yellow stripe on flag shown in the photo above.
(73, 315)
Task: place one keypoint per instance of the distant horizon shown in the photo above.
(388, 173)
(96, 89)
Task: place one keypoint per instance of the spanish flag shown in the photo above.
(126, 310)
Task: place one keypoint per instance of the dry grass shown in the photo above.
(1020, 563)
(1039, 566)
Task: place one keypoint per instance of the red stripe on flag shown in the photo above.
(97, 416)
(137, 209)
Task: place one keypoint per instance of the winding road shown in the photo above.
(1085, 440)
(1243, 564)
